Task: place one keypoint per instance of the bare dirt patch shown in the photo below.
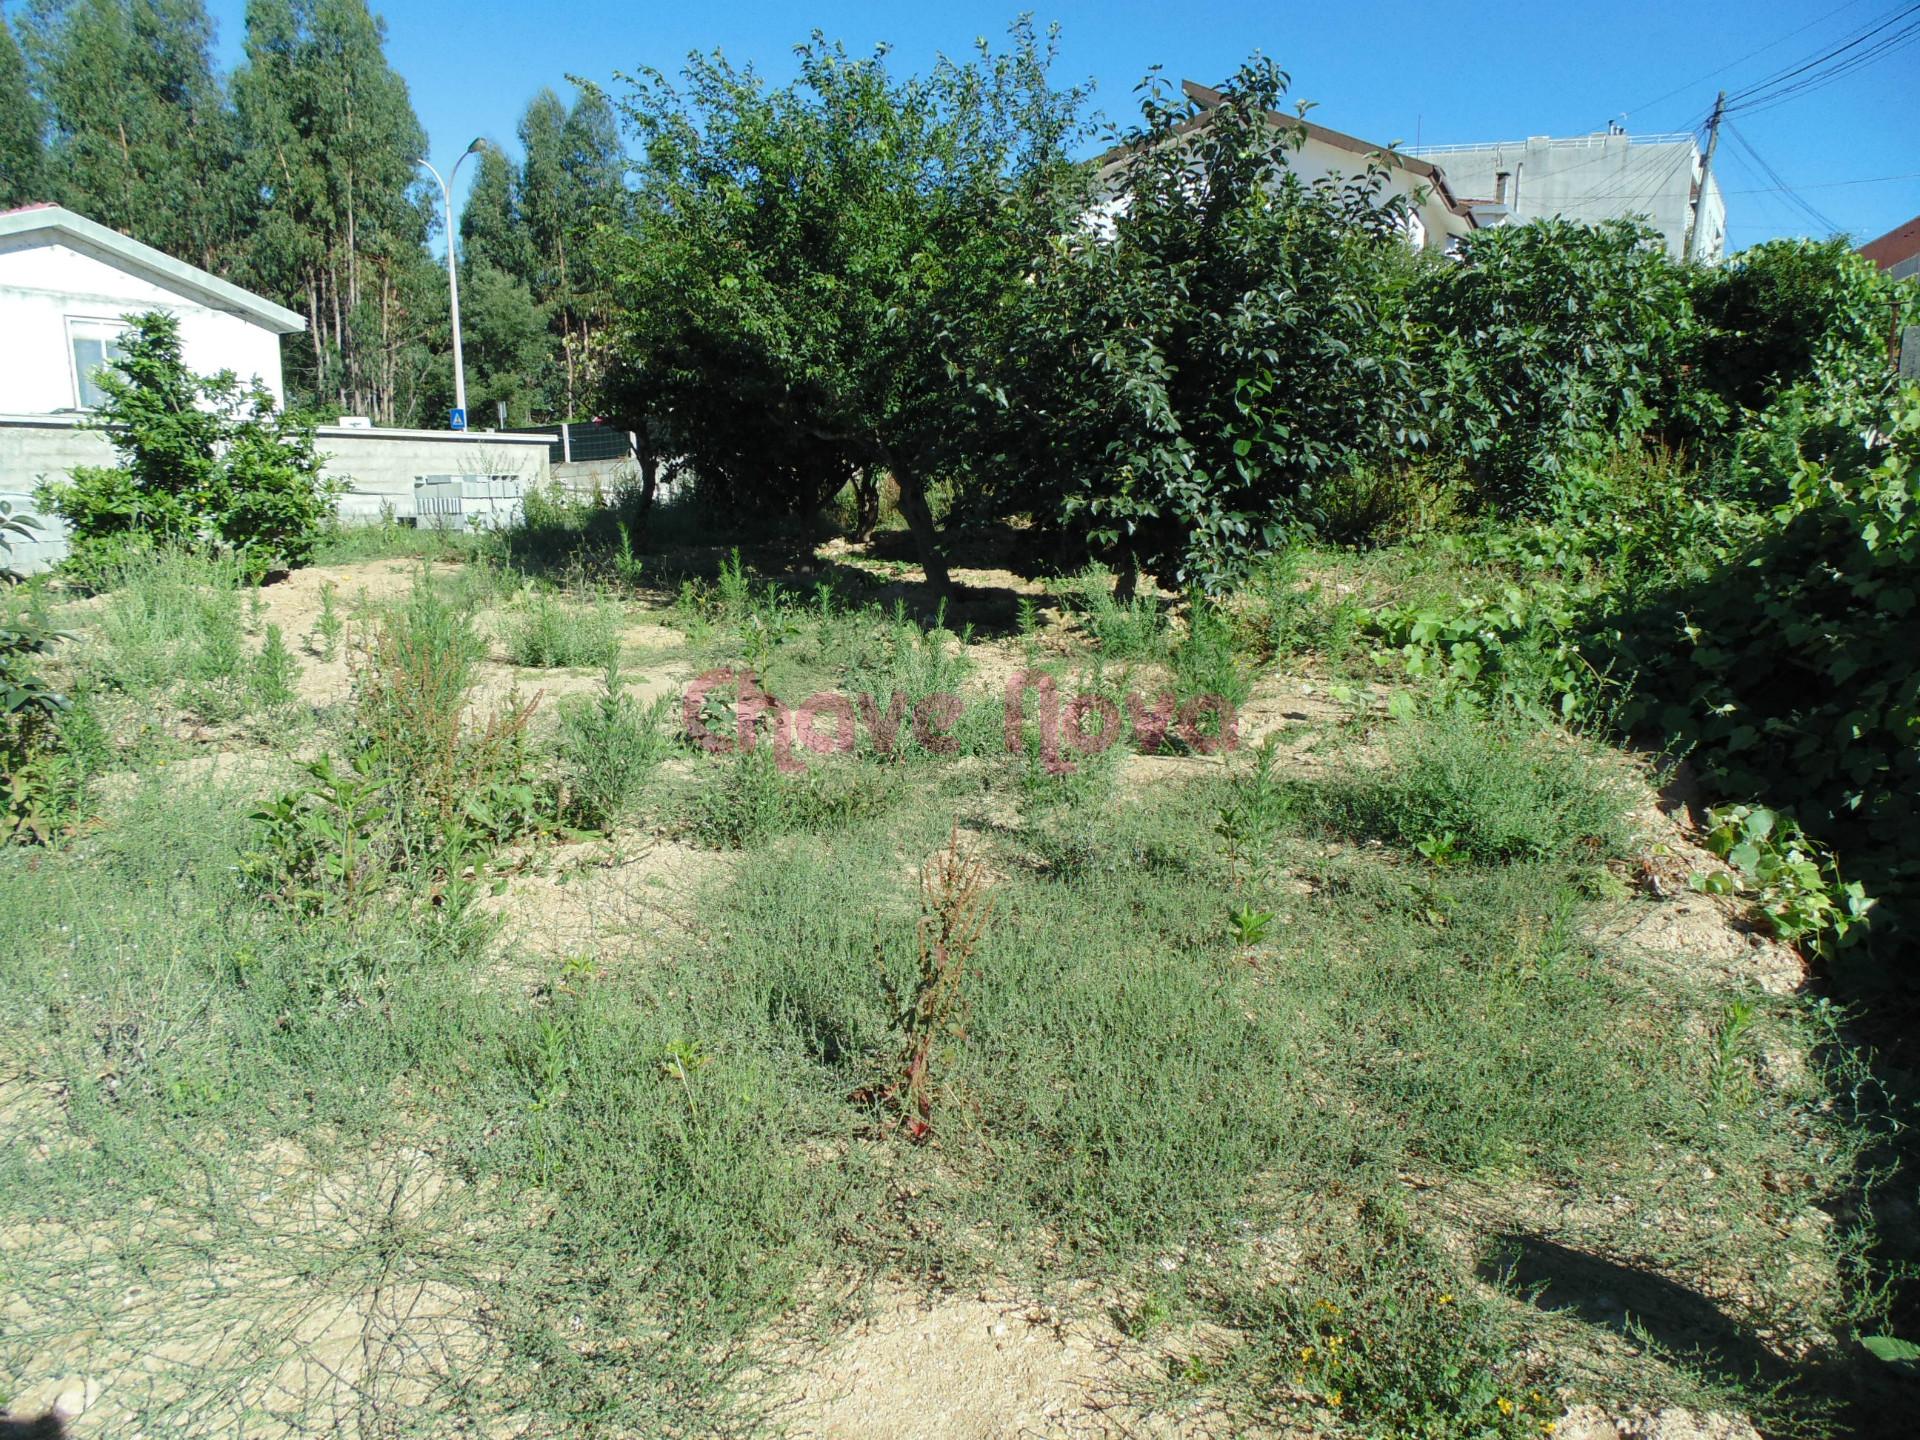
(624, 899)
(982, 1367)
(316, 1313)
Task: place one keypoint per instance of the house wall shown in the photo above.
(43, 283)
(1316, 159)
(378, 467)
(1592, 178)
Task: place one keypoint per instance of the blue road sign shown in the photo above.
(459, 421)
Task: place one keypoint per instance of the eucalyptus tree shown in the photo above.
(141, 138)
(22, 126)
(339, 221)
(572, 182)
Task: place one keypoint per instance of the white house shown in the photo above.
(1434, 215)
(65, 283)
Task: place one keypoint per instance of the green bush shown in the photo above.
(1386, 503)
(1788, 312)
(608, 746)
(1793, 674)
(748, 802)
(548, 635)
(203, 460)
(1463, 784)
(1188, 374)
(30, 712)
(172, 624)
(1207, 663)
(1131, 629)
(1545, 338)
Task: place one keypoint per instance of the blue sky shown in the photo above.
(1494, 70)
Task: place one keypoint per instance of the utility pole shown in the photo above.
(1706, 173)
(453, 282)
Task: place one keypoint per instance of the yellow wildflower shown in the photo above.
(1506, 1405)
(1334, 1397)
(1306, 1353)
(1446, 1299)
(1333, 1342)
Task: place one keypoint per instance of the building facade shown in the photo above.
(1435, 215)
(65, 285)
(1591, 178)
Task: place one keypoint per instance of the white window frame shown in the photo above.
(107, 328)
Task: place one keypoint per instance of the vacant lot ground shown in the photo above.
(413, 1031)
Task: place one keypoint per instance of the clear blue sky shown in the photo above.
(1494, 70)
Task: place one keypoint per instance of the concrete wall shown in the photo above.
(597, 477)
(379, 467)
(33, 451)
(1592, 178)
(46, 287)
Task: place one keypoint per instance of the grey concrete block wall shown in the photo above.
(33, 452)
(377, 467)
(380, 466)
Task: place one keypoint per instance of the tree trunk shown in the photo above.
(866, 496)
(649, 481)
(926, 539)
(1126, 576)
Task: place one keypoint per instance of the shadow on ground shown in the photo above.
(1855, 1394)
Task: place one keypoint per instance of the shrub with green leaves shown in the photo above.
(1793, 882)
(549, 635)
(30, 711)
(1786, 312)
(1189, 371)
(1480, 786)
(1793, 673)
(747, 801)
(1544, 338)
(1207, 663)
(204, 460)
(1133, 628)
(608, 746)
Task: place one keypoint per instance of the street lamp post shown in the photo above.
(453, 277)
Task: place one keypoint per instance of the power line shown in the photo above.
(1771, 197)
(1805, 207)
(1839, 72)
(1831, 184)
(1821, 69)
(1859, 37)
(1733, 64)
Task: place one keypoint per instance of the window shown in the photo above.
(95, 343)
